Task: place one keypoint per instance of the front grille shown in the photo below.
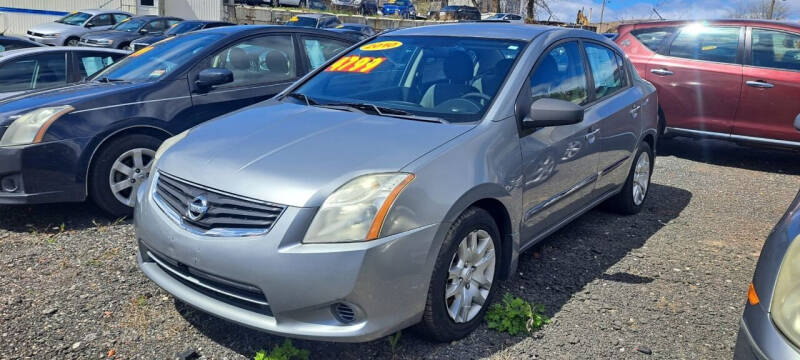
(31, 33)
(232, 292)
(224, 211)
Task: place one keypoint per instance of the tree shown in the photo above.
(760, 9)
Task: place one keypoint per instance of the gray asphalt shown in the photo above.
(672, 279)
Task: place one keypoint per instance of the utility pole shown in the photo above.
(603, 10)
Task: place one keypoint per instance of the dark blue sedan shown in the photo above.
(98, 139)
(401, 8)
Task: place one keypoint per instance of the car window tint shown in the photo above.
(608, 74)
(259, 60)
(172, 22)
(43, 71)
(708, 43)
(776, 49)
(120, 18)
(14, 44)
(652, 38)
(155, 26)
(102, 20)
(92, 63)
(319, 50)
(560, 74)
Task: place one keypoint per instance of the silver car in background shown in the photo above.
(396, 185)
(69, 29)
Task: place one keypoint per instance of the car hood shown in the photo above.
(52, 27)
(296, 155)
(150, 39)
(81, 96)
(109, 34)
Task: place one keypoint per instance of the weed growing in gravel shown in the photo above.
(516, 316)
(394, 340)
(285, 351)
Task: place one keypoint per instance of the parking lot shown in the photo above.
(671, 281)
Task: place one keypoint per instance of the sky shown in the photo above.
(566, 10)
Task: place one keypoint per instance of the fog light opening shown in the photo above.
(9, 184)
(345, 313)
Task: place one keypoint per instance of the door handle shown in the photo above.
(662, 72)
(759, 84)
(635, 111)
(590, 136)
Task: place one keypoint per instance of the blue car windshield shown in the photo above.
(75, 19)
(130, 25)
(184, 27)
(155, 62)
(448, 78)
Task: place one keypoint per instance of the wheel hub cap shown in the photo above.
(470, 276)
(641, 178)
(128, 173)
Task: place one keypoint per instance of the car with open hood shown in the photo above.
(97, 139)
(397, 184)
(123, 34)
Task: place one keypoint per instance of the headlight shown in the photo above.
(30, 127)
(105, 42)
(356, 211)
(168, 144)
(50, 35)
(786, 298)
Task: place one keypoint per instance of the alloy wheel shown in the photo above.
(641, 178)
(470, 276)
(128, 173)
(72, 42)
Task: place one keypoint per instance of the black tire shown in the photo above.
(623, 202)
(123, 46)
(436, 324)
(71, 41)
(99, 187)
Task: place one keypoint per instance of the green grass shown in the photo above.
(285, 351)
(516, 316)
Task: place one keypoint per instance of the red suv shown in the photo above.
(728, 79)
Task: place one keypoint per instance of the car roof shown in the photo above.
(742, 22)
(246, 29)
(45, 49)
(103, 11)
(479, 30)
(313, 15)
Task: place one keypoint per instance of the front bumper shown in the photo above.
(41, 173)
(52, 41)
(759, 339)
(384, 281)
(88, 44)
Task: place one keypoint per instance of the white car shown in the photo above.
(68, 30)
(512, 18)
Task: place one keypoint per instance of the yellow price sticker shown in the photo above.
(381, 45)
(142, 51)
(294, 19)
(356, 64)
(709, 47)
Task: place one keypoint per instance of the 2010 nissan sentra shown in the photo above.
(398, 183)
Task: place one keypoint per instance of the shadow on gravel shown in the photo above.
(48, 218)
(725, 153)
(552, 273)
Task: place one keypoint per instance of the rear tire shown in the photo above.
(464, 273)
(124, 162)
(631, 198)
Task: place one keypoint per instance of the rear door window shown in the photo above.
(708, 43)
(776, 49)
(652, 38)
(102, 20)
(40, 72)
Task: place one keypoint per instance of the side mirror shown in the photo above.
(90, 24)
(797, 122)
(213, 77)
(144, 31)
(552, 112)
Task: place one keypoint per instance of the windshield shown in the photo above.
(496, 16)
(154, 62)
(302, 21)
(76, 19)
(184, 27)
(449, 78)
(130, 25)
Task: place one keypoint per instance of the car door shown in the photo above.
(618, 106)
(87, 63)
(40, 71)
(262, 66)
(559, 162)
(101, 22)
(771, 93)
(699, 77)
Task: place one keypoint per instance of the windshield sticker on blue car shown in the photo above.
(356, 64)
(381, 45)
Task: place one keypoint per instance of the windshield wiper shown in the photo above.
(107, 80)
(311, 102)
(302, 97)
(391, 112)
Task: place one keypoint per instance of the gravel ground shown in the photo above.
(672, 279)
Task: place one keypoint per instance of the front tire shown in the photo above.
(73, 41)
(464, 279)
(119, 169)
(631, 198)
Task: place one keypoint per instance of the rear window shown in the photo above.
(709, 43)
(652, 38)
